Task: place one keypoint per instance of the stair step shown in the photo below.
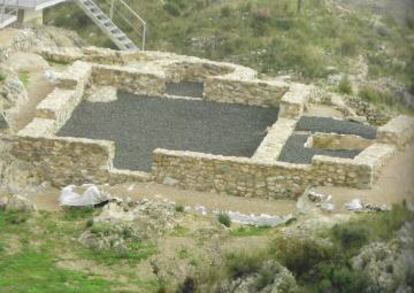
(106, 24)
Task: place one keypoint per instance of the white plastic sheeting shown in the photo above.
(90, 197)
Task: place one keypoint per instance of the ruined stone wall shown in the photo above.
(249, 178)
(61, 161)
(247, 92)
(129, 80)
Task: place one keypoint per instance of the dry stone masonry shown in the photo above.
(63, 161)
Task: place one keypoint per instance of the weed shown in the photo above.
(179, 208)
(345, 86)
(224, 219)
(24, 77)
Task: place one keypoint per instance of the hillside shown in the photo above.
(325, 44)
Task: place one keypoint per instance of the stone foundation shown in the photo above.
(64, 161)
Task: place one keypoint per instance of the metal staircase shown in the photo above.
(8, 14)
(115, 18)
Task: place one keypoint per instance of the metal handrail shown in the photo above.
(123, 15)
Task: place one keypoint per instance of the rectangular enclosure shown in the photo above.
(140, 124)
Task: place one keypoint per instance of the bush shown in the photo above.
(301, 255)
(224, 219)
(225, 11)
(375, 96)
(351, 236)
(172, 9)
(2, 76)
(338, 277)
(243, 264)
(345, 86)
(179, 208)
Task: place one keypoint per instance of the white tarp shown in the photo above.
(90, 197)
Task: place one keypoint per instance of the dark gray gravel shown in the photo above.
(295, 152)
(323, 124)
(185, 89)
(139, 124)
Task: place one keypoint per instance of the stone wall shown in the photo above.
(335, 141)
(247, 92)
(249, 178)
(398, 131)
(61, 161)
(135, 81)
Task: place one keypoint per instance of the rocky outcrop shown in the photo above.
(271, 277)
(389, 266)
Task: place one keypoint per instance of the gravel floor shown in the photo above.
(139, 124)
(185, 89)
(324, 124)
(295, 152)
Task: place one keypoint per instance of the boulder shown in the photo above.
(20, 203)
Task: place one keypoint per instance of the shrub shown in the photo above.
(376, 96)
(224, 219)
(179, 208)
(172, 9)
(2, 76)
(225, 11)
(242, 264)
(351, 236)
(345, 86)
(338, 277)
(301, 255)
(349, 45)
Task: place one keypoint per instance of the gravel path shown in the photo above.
(325, 124)
(139, 124)
(295, 152)
(185, 89)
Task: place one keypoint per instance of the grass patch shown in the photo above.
(250, 231)
(179, 231)
(136, 252)
(81, 213)
(24, 77)
(31, 271)
(2, 76)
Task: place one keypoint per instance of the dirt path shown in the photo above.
(395, 184)
(32, 66)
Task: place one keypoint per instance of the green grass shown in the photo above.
(24, 77)
(40, 241)
(31, 271)
(248, 231)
